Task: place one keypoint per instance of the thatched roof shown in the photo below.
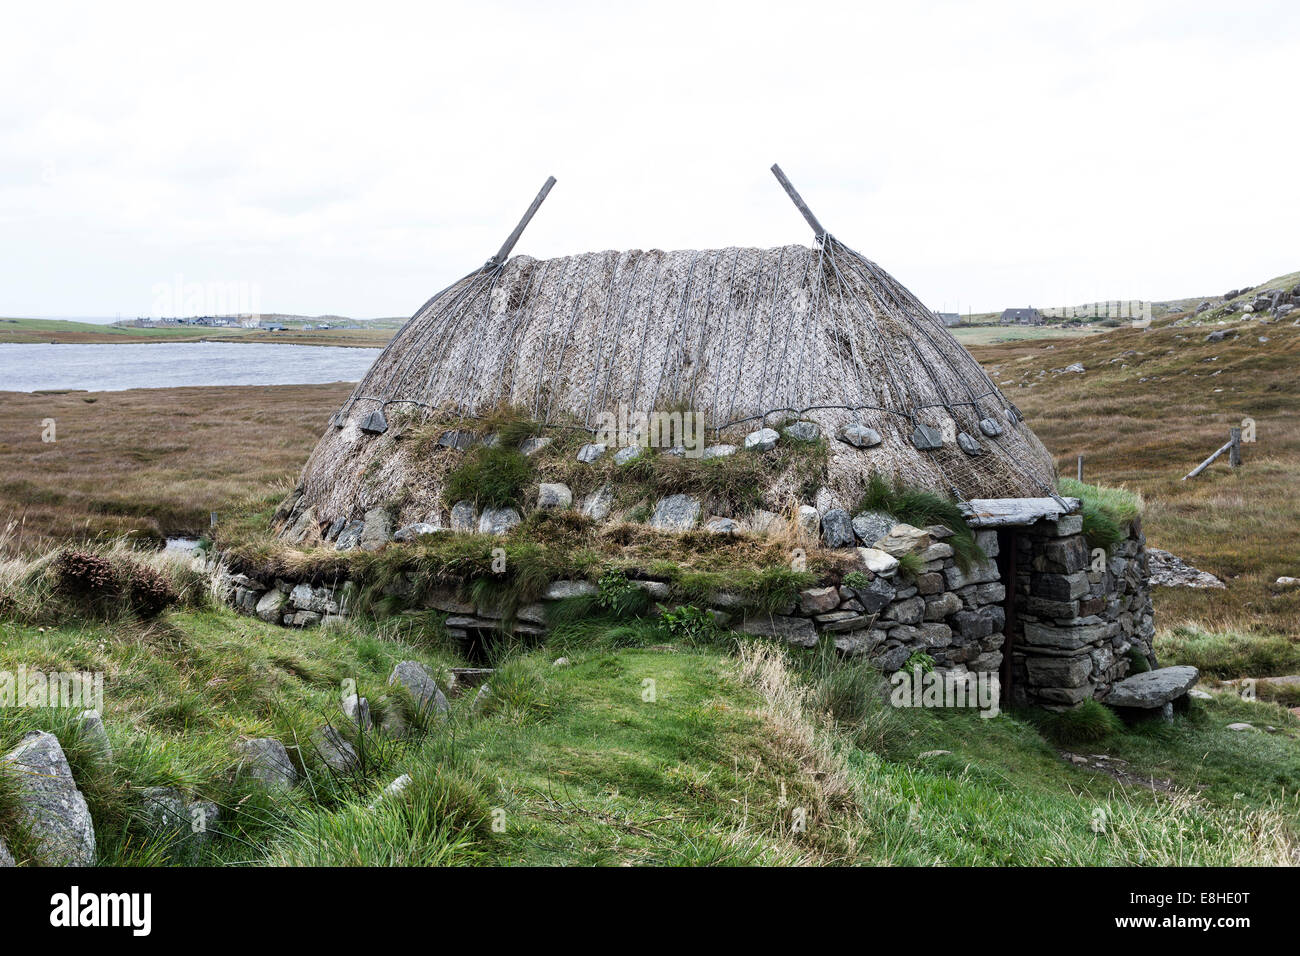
(745, 336)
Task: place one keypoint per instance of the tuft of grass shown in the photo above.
(921, 508)
(1089, 723)
(1119, 504)
(495, 476)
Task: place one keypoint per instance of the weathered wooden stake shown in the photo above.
(1233, 442)
(1081, 469)
(504, 252)
(1234, 453)
(818, 229)
(212, 519)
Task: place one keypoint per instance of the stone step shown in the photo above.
(1153, 689)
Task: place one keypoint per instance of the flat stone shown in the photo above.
(859, 436)
(463, 516)
(764, 439)
(1153, 689)
(412, 531)
(877, 561)
(629, 453)
(558, 590)
(903, 539)
(49, 803)
(794, 630)
(676, 513)
(926, 438)
(876, 595)
(969, 445)
(990, 427)
(722, 526)
(457, 439)
(719, 451)
(1058, 671)
(1004, 512)
(552, 496)
(1241, 725)
(590, 452)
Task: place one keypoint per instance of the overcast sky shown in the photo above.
(354, 158)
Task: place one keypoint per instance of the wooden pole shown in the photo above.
(1234, 452)
(1206, 464)
(1080, 469)
(818, 229)
(504, 252)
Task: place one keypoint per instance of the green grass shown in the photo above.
(494, 476)
(921, 509)
(1228, 654)
(643, 750)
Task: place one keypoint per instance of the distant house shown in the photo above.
(1030, 316)
(949, 318)
(273, 327)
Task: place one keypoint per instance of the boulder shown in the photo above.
(334, 749)
(761, 521)
(926, 438)
(722, 526)
(305, 530)
(764, 439)
(420, 685)
(317, 600)
(859, 436)
(272, 605)
(49, 803)
(377, 529)
(265, 761)
(350, 536)
(819, 600)
(1153, 689)
(624, 455)
(969, 445)
(498, 520)
(807, 519)
(871, 526)
(803, 431)
(676, 513)
(719, 451)
(463, 516)
(597, 505)
(412, 531)
(1170, 571)
(552, 496)
(590, 452)
(837, 529)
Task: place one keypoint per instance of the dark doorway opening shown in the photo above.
(1006, 562)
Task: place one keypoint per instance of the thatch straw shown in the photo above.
(744, 336)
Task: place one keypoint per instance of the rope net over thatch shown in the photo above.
(744, 337)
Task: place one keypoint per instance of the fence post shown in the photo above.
(1234, 453)
(1080, 469)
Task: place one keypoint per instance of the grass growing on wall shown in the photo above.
(922, 508)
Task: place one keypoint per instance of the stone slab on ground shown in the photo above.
(1153, 689)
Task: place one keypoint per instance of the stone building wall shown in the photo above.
(1081, 615)
(1078, 617)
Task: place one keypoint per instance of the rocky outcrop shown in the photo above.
(1170, 571)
